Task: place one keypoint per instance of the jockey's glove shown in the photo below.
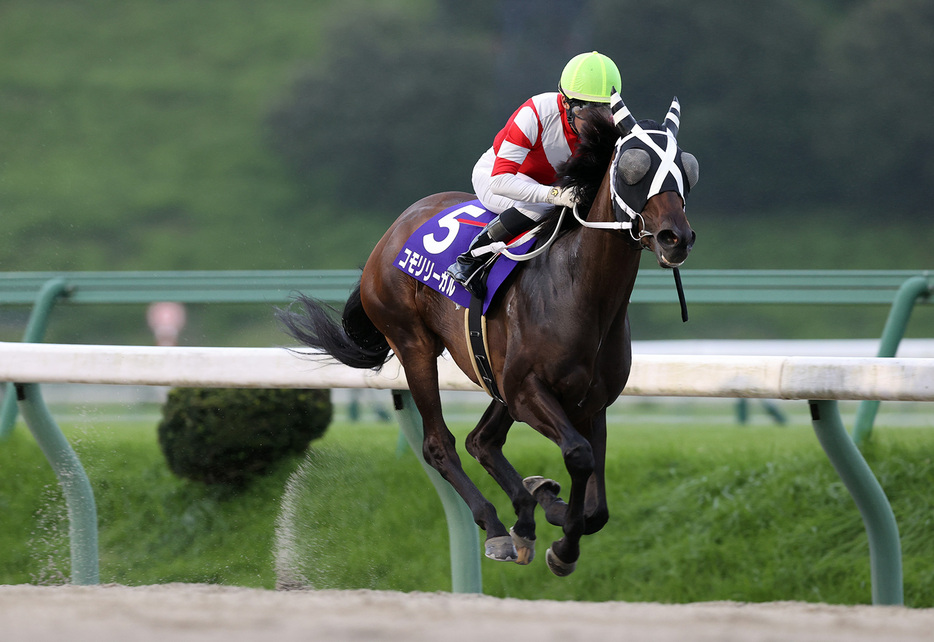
(562, 196)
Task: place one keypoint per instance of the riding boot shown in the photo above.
(468, 269)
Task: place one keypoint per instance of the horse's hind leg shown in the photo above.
(485, 443)
(440, 452)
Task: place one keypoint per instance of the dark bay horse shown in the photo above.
(558, 337)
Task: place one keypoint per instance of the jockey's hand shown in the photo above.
(562, 196)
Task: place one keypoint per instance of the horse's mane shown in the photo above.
(585, 169)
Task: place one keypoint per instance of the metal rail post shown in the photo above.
(35, 330)
(909, 292)
(885, 553)
(466, 576)
(82, 509)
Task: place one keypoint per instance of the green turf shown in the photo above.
(706, 511)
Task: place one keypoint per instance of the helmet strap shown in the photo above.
(569, 112)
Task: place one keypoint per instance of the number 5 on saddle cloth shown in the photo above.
(439, 241)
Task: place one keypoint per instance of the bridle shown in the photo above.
(659, 144)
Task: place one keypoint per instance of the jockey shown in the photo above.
(513, 178)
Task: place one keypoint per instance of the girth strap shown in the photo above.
(475, 326)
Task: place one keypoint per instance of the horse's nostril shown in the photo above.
(667, 237)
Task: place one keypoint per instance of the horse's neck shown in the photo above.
(607, 259)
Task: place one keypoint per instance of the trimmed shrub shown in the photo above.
(227, 435)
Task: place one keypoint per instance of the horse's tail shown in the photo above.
(355, 341)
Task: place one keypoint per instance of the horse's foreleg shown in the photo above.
(485, 444)
(545, 492)
(439, 450)
(563, 554)
(596, 512)
(547, 416)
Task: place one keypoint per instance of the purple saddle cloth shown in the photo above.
(437, 243)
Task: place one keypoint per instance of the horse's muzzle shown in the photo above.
(672, 247)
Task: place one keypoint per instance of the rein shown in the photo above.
(503, 248)
(519, 241)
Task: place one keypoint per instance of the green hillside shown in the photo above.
(132, 137)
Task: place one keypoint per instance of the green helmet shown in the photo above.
(589, 77)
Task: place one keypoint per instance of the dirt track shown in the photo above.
(227, 614)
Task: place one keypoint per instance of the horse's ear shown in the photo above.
(691, 168)
(621, 117)
(673, 119)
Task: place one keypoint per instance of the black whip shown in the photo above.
(684, 305)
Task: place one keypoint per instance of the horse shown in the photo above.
(559, 336)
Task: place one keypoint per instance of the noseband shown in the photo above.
(635, 226)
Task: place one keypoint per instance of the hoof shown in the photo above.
(525, 548)
(559, 568)
(536, 483)
(501, 549)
